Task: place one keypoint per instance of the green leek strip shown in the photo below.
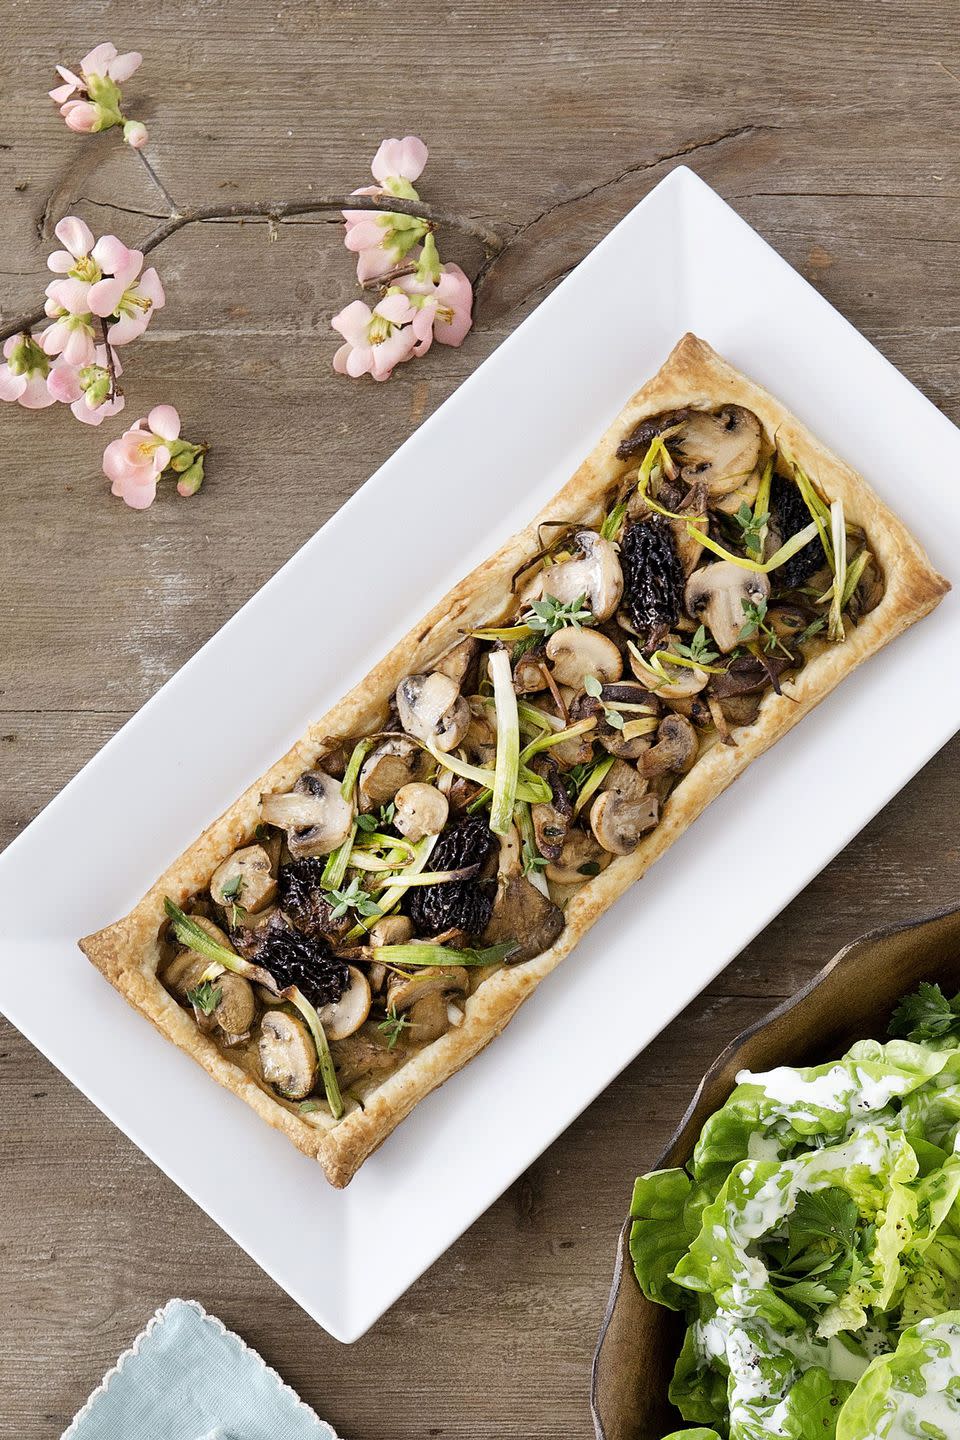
(507, 768)
(854, 571)
(337, 861)
(610, 528)
(407, 878)
(506, 632)
(667, 657)
(817, 506)
(528, 836)
(635, 728)
(377, 840)
(194, 937)
(658, 448)
(785, 553)
(839, 537)
(349, 782)
(539, 719)
(421, 953)
(593, 781)
(395, 894)
(375, 864)
(761, 506)
(557, 737)
(529, 787)
(653, 666)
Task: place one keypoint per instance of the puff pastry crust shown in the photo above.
(128, 952)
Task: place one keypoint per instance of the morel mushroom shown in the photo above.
(595, 575)
(624, 810)
(574, 654)
(288, 1056)
(420, 810)
(391, 764)
(432, 709)
(245, 878)
(314, 814)
(717, 595)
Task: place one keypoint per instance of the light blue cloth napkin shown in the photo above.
(187, 1377)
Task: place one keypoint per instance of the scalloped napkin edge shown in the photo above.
(323, 1430)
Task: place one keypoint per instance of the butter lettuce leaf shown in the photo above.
(666, 1211)
(913, 1392)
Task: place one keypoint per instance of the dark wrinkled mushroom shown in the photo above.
(314, 814)
(675, 749)
(521, 915)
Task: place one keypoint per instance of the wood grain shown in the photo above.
(832, 128)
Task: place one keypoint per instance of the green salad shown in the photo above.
(812, 1245)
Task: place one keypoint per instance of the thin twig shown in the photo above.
(111, 361)
(172, 205)
(279, 210)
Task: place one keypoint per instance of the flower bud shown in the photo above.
(83, 117)
(98, 390)
(135, 133)
(190, 482)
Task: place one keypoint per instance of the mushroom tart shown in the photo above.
(376, 907)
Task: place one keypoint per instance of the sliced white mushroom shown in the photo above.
(391, 764)
(421, 810)
(236, 1009)
(403, 991)
(719, 448)
(187, 966)
(594, 574)
(344, 1017)
(528, 675)
(675, 750)
(458, 661)
(624, 810)
(314, 814)
(717, 594)
(522, 916)
(432, 709)
(391, 930)
(288, 1056)
(574, 654)
(684, 681)
(744, 494)
(580, 859)
(245, 878)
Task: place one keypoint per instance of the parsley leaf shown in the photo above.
(926, 1015)
(829, 1215)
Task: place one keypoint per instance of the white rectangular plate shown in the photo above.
(681, 260)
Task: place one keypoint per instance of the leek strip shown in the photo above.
(529, 787)
(349, 782)
(592, 783)
(337, 861)
(421, 953)
(506, 632)
(785, 553)
(545, 742)
(528, 835)
(761, 506)
(839, 537)
(395, 894)
(507, 769)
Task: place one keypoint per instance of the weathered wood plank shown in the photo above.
(833, 129)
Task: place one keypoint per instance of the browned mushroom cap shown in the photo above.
(718, 449)
(717, 594)
(574, 654)
(345, 1016)
(420, 810)
(614, 739)
(314, 814)
(362, 1057)
(245, 878)
(521, 914)
(528, 674)
(392, 763)
(624, 810)
(403, 991)
(594, 574)
(551, 820)
(236, 1009)
(580, 859)
(432, 709)
(460, 662)
(288, 1056)
(675, 750)
(187, 966)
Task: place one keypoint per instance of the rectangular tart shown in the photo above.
(709, 573)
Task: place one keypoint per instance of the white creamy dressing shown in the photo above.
(933, 1413)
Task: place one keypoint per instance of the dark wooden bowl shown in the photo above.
(850, 999)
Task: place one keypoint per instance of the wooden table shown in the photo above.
(833, 128)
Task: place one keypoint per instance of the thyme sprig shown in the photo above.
(545, 617)
(393, 1026)
(205, 997)
(354, 897)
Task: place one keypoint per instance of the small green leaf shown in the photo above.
(205, 997)
(592, 686)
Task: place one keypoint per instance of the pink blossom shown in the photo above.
(376, 340)
(91, 101)
(133, 301)
(86, 389)
(23, 375)
(82, 116)
(103, 60)
(135, 133)
(135, 461)
(72, 333)
(443, 310)
(399, 160)
(77, 236)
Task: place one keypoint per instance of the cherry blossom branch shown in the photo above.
(172, 205)
(111, 361)
(279, 210)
